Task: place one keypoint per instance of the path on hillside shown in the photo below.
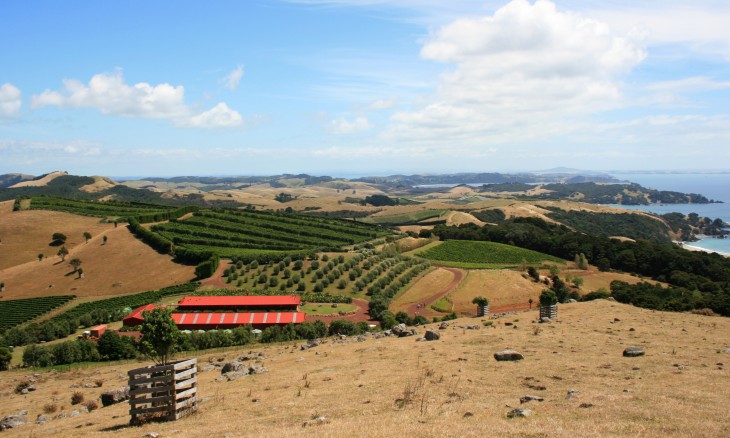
(424, 308)
(359, 315)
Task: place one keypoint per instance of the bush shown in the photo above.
(344, 327)
(548, 298)
(77, 397)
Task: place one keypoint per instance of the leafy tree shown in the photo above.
(533, 273)
(80, 272)
(40, 257)
(5, 357)
(87, 236)
(75, 263)
(480, 301)
(160, 335)
(548, 298)
(104, 239)
(58, 238)
(63, 252)
(111, 346)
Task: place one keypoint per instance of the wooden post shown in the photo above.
(163, 392)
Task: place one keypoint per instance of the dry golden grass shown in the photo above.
(451, 387)
(124, 265)
(504, 288)
(593, 279)
(423, 289)
(461, 218)
(40, 182)
(100, 183)
(25, 234)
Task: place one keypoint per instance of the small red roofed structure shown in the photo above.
(96, 332)
(227, 312)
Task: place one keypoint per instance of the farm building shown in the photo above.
(227, 312)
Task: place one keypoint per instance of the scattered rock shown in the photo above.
(727, 350)
(74, 413)
(634, 352)
(544, 320)
(318, 421)
(515, 413)
(114, 396)
(443, 326)
(507, 324)
(632, 329)
(41, 420)
(616, 320)
(508, 355)
(585, 405)
(231, 367)
(311, 344)
(208, 368)
(570, 394)
(12, 421)
(611, 299)
(432, 335)
(257, 369)
(151, 435)
(361, 338)
(467, 415)
(473, 327)
(529, 398)
(572, 300)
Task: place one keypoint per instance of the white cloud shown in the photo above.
(233, 78)
(382, 104)
(42, 149)
(220, 116)
(109, 94)
(528, 71)
(344, 126)
(10, 100)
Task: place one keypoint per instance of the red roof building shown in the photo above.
(241, 302)
(226, 312)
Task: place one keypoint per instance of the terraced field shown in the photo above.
(474, 254)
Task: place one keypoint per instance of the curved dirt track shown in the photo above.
(425, 308)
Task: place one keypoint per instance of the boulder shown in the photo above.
(544, 320)
(431, 335)
(114, 396)
(399, 330)
(529, 398)
(634, 352)
(316, 421)
(473, 327)
(41, 420)
(231, 367)
(257, 369)
(12, 421)
(508, 355)
(443, 326)
(516, 413)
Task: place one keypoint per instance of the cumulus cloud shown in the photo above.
(519, 74)
(344, 126)
(382, 104)
(10, 100)
(109, 94)
(233, 78)
(220, 116)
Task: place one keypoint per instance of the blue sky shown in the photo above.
(355, 87)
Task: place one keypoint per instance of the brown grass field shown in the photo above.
(423, 289)
(124, 265)
(450, 387)
(25, 234)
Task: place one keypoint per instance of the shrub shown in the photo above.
(548, 298)
(50, 408)
(77, 397)
(91, 405)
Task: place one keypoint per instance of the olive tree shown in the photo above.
(160, 335)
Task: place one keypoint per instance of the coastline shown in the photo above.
(698, 248)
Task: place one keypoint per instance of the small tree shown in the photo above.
(58, 238)
(87, 236)
(5, 357)
(75, 263)
(160, 335)
(103, 239)
(530, 301)
(482, 305)
(2, 286)
(40, 257)
(548, 298)
(63, 252)
(80, 271)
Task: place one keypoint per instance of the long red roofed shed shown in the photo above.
(291, 302)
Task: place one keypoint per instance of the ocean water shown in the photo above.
(712, 186)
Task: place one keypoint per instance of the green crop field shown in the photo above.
(16, 312)
(476, 254)
(238, 233)
(404, 219)
(107, 209)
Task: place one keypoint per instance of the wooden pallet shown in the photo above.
(163, 392)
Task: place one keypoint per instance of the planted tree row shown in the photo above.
(16, 312)
(89, 314)
(143, 212)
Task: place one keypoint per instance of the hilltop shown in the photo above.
(377, 387)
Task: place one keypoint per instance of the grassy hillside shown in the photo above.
(473, 254)
(449, 387)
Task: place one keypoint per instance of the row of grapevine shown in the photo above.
(89, 314)
(16, 312)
